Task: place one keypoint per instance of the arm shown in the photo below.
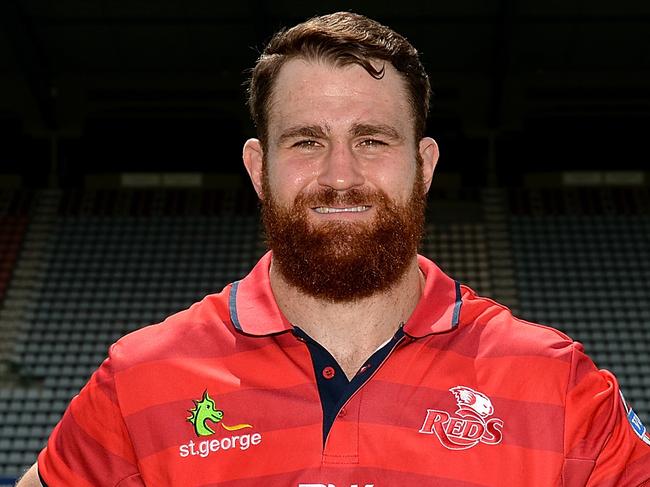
(602, 448)
(30, 479)
(90, 446)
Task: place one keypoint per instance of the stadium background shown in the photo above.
(123, 199)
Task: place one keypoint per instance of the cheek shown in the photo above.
(397, 183)
(289, 178)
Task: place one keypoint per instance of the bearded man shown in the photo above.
(344, 358)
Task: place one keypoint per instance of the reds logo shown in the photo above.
(470, 426)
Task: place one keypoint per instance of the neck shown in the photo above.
(351, 331)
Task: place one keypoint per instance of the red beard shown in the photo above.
(339, 260)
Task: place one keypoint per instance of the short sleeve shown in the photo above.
(605, 443)
(90, 447)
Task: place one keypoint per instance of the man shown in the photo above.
(344, 358)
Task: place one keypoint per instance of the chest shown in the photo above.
(414, 417)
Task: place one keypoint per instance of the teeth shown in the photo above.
(325, 209)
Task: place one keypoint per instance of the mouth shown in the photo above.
(329, 209)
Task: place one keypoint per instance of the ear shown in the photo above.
(253, 156)
(428, 149)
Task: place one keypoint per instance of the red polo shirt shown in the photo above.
(229, 393)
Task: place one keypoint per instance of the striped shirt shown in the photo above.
(229, 393)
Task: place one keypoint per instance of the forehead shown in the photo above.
(318, 92)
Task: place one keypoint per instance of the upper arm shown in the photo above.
(91, 446)
(30, 479)
(601, 446)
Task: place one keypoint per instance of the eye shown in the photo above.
(372, 143)
(306, 144)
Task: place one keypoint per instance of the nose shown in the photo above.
(340, 169)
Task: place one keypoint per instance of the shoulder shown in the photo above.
(202, 328)
(506, 334)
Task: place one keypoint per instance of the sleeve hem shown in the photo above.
(40, 477)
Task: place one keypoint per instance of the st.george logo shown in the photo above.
(205, 410)
(470, 425)
(202, 416)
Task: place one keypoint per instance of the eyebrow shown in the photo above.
(369, 129)
(310, 131)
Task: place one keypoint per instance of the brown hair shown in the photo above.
(342, 38)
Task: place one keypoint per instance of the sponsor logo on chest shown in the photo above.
(203, 417)
(472, 423)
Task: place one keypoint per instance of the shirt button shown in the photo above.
(329, 372)
(364, 368)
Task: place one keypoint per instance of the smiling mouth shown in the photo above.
(354, 209)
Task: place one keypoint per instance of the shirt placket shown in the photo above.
(341, 399)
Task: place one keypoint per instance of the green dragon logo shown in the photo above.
(205, 410)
